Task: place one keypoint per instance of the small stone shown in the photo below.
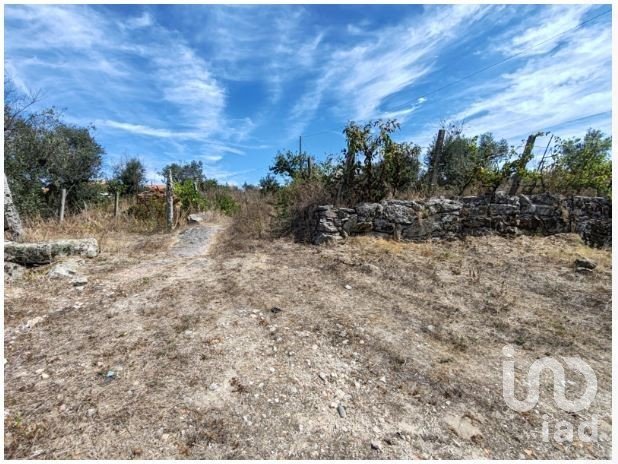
(383, 379)
(348, 287)
(214, 387)
(32, 322)
(314, 347)
(194, 218)
(79, 281)
(39, 371)
(91, 412)
(585, 263)
(376, 445)
(322, 376)
(333, 405)
(45, 376)
(275, 310)
(272, 370)
(583, 270)
(341, 410)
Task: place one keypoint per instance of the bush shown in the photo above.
(150, 209)
(191, 200)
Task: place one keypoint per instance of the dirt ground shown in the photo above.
(275, 349)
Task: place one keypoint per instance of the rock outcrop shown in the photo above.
(39, 253)
(544, 214)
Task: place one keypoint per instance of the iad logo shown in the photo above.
(564, 429)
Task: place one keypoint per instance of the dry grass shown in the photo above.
(205, 368)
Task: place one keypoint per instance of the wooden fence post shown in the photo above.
(437, 154)
(63, 199)
(309, 167)
(116, 202)
(169, 201)
(12, 222)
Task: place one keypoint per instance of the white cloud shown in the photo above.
(547, 90)
(358, 79)
(144, 20)
(551, 21)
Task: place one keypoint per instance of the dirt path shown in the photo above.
(368, 350)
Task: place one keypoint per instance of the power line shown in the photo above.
(504, 60)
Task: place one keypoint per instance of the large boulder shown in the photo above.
(39, 253)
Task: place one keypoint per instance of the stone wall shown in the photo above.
(545, 214)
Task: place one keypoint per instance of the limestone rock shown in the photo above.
(33, 254)
(585, 263)
(195, 218)
(13, 271)
(462, 426)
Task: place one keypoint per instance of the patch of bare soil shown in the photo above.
(370, 349)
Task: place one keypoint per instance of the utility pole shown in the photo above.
(437, 154)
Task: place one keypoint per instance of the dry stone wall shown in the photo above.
(545, 214)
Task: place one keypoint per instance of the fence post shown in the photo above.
(437, 154)
(309, 167)
(12, 222)
(63, 199)
(116, 202)
(169, 201)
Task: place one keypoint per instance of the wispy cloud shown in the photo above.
(546, 90)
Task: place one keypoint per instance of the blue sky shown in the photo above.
(231, 85)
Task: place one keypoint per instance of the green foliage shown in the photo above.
(401, 167)
(225, 203)
(268, 184)
(290, 165)
(365, 146)
(44, 155)
(216, 198)
(131, 174)
(191, 200)
(583, 164)
(467, 162)
(150, 209)
(181, 172)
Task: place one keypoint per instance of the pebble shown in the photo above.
(213, 387)
(39, 371)
(322, 375)
(44, 375)
(348, 287)
(91, 412)
(383, 379)
(375, 445)
(341, 410)
(333, 405)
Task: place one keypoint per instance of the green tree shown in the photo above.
(365, 149)
(289, 164)
(193, 171)
(269, 184)
(131, 174)
(401, 166)
(44, 155)
(583, 164)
